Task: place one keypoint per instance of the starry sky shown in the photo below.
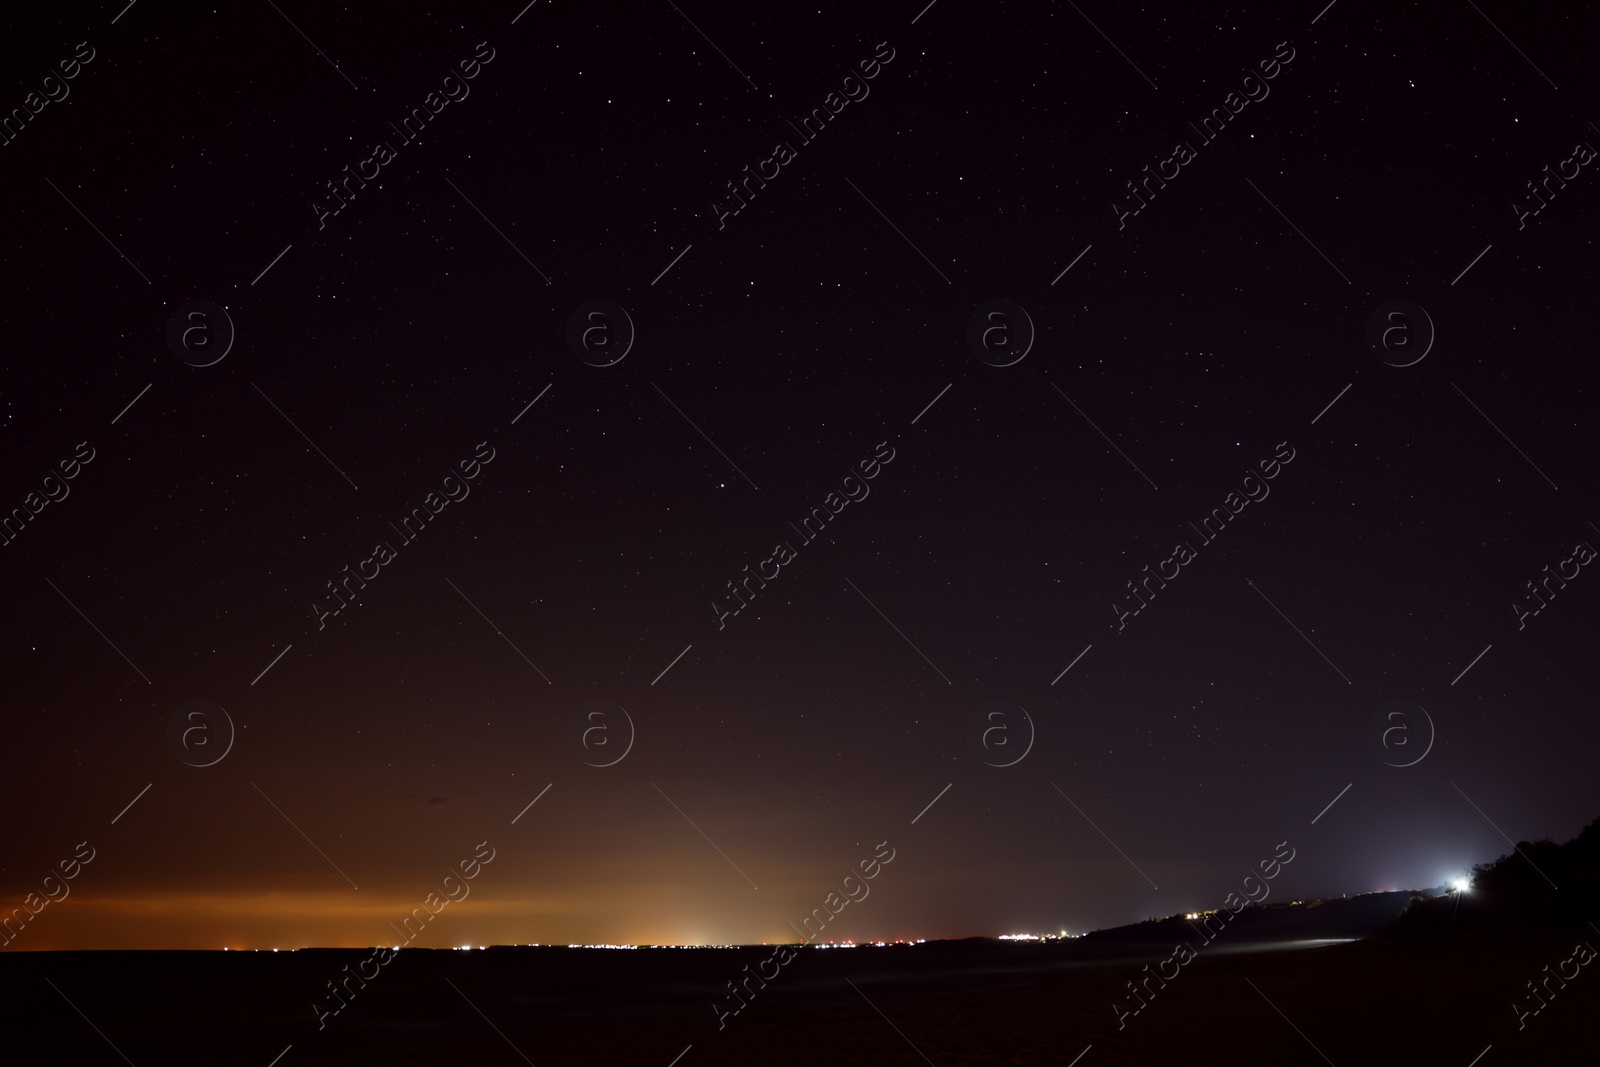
(1003, 383)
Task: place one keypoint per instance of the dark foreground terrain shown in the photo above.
(1281, 986)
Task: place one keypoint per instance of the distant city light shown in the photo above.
(1042, 936)
(1036, 937)
(623, 946)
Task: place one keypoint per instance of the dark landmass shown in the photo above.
(1400, 978)
(1344, 918)
(1540, 886)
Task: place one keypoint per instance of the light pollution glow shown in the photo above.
(330, 919)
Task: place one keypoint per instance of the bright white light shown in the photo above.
(1462, 885)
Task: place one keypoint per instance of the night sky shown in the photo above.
(538, 325)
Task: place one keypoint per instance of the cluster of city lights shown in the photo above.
(846, 943)
(602, 946)
(1460, 885)
(1038, 937)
